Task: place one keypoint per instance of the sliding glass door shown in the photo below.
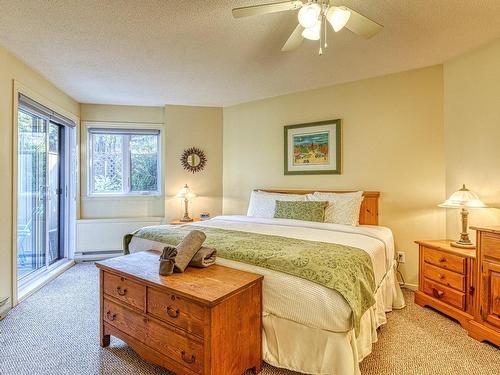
(39, 193)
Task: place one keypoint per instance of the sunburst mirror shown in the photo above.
(193, 160)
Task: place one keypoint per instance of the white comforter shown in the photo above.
(291, 297)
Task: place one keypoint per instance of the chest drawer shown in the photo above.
(181, 349)
(176, 310)
(444, 294)
(445, 277)
(125, 290)
(444, 260)
(125, 320)
(490, 245)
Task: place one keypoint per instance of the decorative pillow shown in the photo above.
(263, 204)
(343, 208)
(307, 211)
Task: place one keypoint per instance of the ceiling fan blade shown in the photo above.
(255, 10)
(362, 25)
(294, 40)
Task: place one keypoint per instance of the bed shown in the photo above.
(307, 327)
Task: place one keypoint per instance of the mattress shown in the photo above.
(290, 297)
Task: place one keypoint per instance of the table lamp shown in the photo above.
(464, 199)
(186, 194)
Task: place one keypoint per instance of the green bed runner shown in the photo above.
(345, 269)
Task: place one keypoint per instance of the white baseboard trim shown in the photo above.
(35, 285)
(4, 307)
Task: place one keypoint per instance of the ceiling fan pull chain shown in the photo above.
(320, 39)
(326, 35)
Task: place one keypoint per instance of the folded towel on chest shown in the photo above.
(204, 257)
(187, 249)
(167, 260)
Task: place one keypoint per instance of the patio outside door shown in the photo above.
(40, 199)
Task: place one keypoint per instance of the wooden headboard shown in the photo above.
(368, 213)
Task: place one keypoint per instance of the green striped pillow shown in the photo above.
(297, 210)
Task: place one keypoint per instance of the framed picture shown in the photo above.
(313, 148)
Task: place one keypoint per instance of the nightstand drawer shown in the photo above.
(445, 277)
(444, 294)
(444, 260)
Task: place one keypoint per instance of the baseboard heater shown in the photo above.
(90, 256)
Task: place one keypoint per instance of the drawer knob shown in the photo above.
(437, 293)
(172, 313)
(441, 276)
(442, 259)
(121, 291)
(186, 358)
(110, 316)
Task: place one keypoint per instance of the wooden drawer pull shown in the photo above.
(110, 316)
(437, 293)
(172, 313)
(187, 359)
(442, 259)
(121, 291)
(441, 276)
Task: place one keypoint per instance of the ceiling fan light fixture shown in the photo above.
(338, 17)
(309, 14)
(313, 33)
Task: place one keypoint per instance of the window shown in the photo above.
(124, 162)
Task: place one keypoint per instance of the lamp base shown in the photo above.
(186, 220)
(463, 245)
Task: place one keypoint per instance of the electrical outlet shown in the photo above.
(401, 256)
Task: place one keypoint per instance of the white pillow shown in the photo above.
(343, 208)
(263, 204)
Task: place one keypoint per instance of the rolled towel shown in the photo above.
(204, 257)
(167, 260)
(188, 247)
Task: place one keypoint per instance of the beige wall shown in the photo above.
(184, 127)
(13, 69)
(472, 131)
(392, 143)
(189, 127)
(117, 207)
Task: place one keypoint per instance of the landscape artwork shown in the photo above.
(313, 148)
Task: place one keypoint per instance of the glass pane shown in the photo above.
(54, 194)
(107, 163)
(31, 185)
(144, 163)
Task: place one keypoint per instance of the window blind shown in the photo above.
(31, 106)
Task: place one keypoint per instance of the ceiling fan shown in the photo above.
(313, 16)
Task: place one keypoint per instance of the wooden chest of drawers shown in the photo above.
(486, 323)
(446, 279)
(202, 321)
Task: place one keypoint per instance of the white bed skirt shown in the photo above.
(296, 347)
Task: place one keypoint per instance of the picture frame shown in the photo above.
(313, 148)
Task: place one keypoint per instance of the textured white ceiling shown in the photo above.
(152, 52)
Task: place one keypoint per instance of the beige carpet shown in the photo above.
(55, 331)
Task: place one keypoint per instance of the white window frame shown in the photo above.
(126, 181)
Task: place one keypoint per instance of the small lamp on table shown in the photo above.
(464, 199)
(186, 194)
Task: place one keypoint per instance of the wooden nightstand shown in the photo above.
(446, 279)
(179, 222)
